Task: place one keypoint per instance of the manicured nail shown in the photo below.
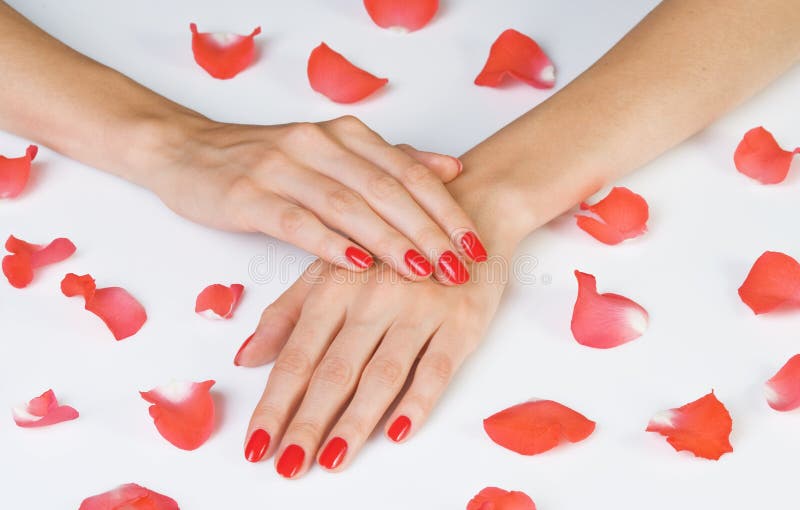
(473, 247)
(236, 359)
(333, 454)
(257, 445)
(291, 460)
(418, 264)
(399, 429)
(358, 257)
(453, 268)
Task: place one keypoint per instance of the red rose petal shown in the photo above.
(404, 14)
(14, 173)
(773, 282)
(760, 157)
(783, 389)
(537, 426)
(493, 498)
(223, 55)
(517, 55)
(129, 497)
(183, 412)
(622, 215)
(25, 257)
(123, 315)
(605, 320)
(701, 427)
(332, 75)
(218, 301)
(43, 410)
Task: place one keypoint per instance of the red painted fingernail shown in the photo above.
(257, 445)
(418, 264)
(333, 454)
(473, 247)
(291, 460)
(399, 429)
(453, 268)
(358, 257)
(236, 359)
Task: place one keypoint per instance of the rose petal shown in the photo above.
(218, 301)
(783, 389)
(25, 257)
(605, 320)
(407, 15)
(120, 311)
(14, 172)
(701, 427)
(183, 412)
(493, 498)
(760, 157)
(517, 55)
(332, 75)
(622, 215)
(129, 497)
(537, 426)
(223, 55)
(773, 282)
(43, 410)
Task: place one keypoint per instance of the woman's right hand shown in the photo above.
(335, 189)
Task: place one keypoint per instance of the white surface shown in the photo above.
(708, 224)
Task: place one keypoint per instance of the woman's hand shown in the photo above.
(325, 187)
(345, 355)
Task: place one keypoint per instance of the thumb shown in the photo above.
(446, 168)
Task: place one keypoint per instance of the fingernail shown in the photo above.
(358, 257)
(473, 247)
(399, 429)
(236, 359)
(291, 460)
(418, 264)
(453, 268)
(257, 445)
(460, 165)
(333, 454)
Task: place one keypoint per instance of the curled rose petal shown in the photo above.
(605, 320)
(494, 498)
(15, 172)
(123, 315)
(218, 301)
(25, 257)
(223, 55)
(783, 388)
(773, 282)
(129, 497)
(621, 215)
(760, 157)
(183, 412)
(407, 15)
(332, 75)
(517, 55)
(701, 427)
(42, 411)
(537, 426)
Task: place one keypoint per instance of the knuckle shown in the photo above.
(335, 370)
(302, 133)
(349, 122)
(292, 219)
(417, 174)
(293, 361)
(304, 428)
(344, 200)
(270, 158)
(242, 188)
(384, 186)
(438, 365)
(385, 371)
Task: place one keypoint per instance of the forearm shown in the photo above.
(683, 66)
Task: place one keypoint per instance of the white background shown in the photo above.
(708, 224)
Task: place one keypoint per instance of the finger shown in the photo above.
(446, 168)
(277, 322)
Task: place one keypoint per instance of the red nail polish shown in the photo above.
(453, 268)
(241, 349)
(257, 445)
(333, 454)
(418, 264)
(473, 247)
(358, 257)
(399, 429)
(291, 461)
